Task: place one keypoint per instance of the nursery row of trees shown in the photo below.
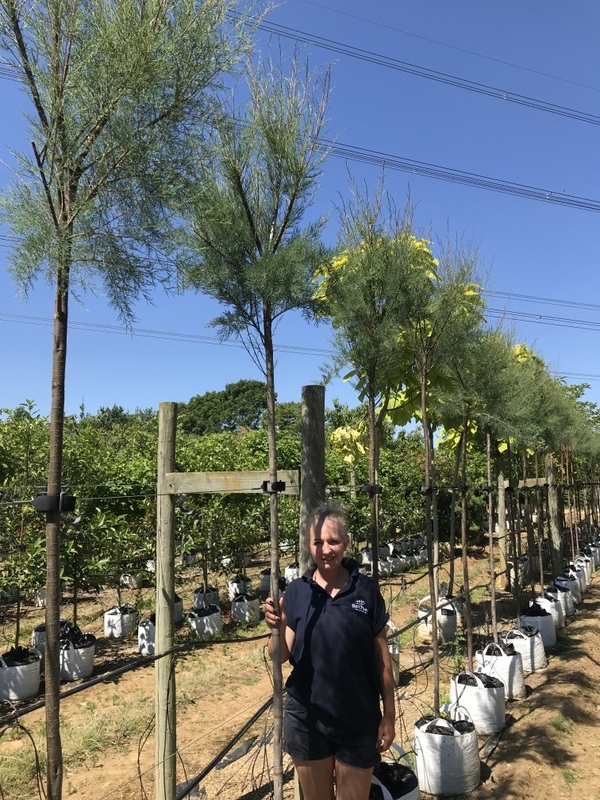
(110, 466)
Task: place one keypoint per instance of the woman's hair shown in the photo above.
(328, 511)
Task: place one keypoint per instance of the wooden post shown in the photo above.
(166, 739)
(312, 485)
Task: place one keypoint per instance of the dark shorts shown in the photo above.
(310, 737)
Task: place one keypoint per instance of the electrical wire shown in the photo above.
(452, 47)
(429, 74)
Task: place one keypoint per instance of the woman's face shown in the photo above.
(327, 546)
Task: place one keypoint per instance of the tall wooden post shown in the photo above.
(312, 475)
(166, 739)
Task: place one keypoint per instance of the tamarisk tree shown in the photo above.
(248, 248)
(112, 89)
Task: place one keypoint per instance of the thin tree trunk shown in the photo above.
(433, 589)
(54, 770)
(452, 542)
(274, 527)
(503, 578)
(490, 508)
(464, 543)
(556, 553)
(373, 475)
(434, 506)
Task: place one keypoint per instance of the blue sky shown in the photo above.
(530, 250)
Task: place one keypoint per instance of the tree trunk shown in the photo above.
(433, 589)
(274, 528)
(556, 551)
(312, 462)
(490, 510)
(54, 770)
(373, 476)
(452, 542)
(464, 542)
(503, 577)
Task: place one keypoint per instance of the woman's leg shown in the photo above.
(316, 778)
(352, 783)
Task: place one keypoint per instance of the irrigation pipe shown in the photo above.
(108, 676)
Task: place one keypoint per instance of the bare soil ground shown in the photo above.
(550, 747)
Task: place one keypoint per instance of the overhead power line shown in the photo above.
(545, 319)
(429, 74)
(154, 334)
(428, 39)
(425, 169)
(544, 300)
(210, 340)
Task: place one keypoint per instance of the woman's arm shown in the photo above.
(286, 634)
(385, 735)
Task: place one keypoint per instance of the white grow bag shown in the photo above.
(445, 617)
(572, 584)
(446, 756)
(550, 601)
(147, 636)
(205, 621)
(527, 641)
(291, 572)
(264, 577)
(120, 622)
(506, 666)
(578, 574)
(565, 596)
(77, 661)
(585, 563)
(394, 781)
(204, 599)
(236, 586)
(20, 681)
(480, 698)
(246, 608)
(538, 617)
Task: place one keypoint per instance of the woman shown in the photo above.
(332, 628)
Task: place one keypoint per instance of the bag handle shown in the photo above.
(493, 644)
(440, 721)
(520, 633)
(477, 677)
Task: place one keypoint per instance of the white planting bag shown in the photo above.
(479, 697)
(446, 756)
(506, 666)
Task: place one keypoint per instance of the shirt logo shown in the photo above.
(360, 605)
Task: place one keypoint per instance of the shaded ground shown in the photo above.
(549, 748)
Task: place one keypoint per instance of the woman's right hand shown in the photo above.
(272, 617)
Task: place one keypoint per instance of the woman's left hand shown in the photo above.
(385, 734)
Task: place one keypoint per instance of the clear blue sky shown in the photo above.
(531, 249)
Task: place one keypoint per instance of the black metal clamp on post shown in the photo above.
(269, 487)
(50, 503)
(371, 489)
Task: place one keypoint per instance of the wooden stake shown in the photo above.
(166, 738)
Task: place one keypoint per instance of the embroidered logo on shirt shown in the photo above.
(360, 605)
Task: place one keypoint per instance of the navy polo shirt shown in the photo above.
(335, 671)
